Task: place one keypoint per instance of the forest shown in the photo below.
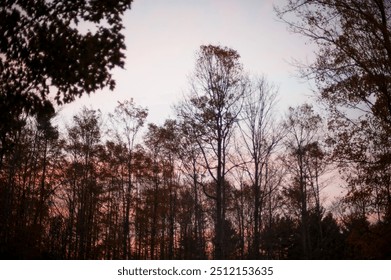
(227, 178)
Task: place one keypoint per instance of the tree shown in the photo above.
(353, 73)
(113, 165)
(212, 109)
(163, 144)
(260, 136)
(127, 119)
(44, 50)
(84, 191)
(28, 181)
(305, 163)
(191, 167)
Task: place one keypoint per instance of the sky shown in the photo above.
(163, 37)
(162, 40)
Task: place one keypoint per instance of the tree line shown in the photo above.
(227, 178)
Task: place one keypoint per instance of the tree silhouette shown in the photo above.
(260, 136)
(212, 108)
(304, 163)
(85, 190)
(28, 180)
(50, 53)
(352, 71)
(127, 119)
(43, 51)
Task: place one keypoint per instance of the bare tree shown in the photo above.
(84, 192)
(191, 167)
(303, 159)
(260, 136)
(127, 121)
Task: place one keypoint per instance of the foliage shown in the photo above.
(42, 46)
(55, 50)
(352, 72)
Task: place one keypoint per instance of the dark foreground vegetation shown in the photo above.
(227, 178)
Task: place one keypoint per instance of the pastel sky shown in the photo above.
(163, 37)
